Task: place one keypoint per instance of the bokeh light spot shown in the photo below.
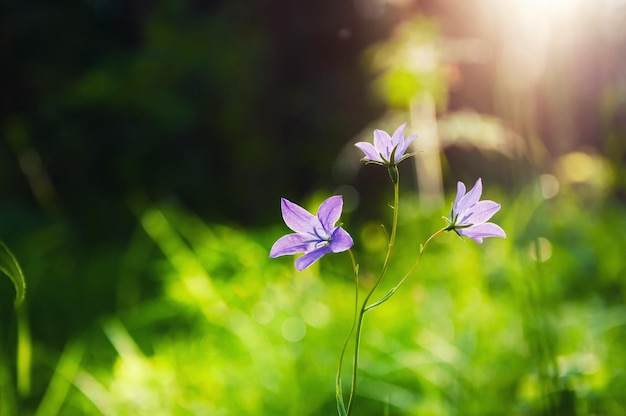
(549, 186)
(293, 329)
(316, 314)
(577, 166)
(344, 33)
(262, 312)
(540, 249)
(370, 9)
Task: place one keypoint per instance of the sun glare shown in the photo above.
(527, 28)
(547, 7)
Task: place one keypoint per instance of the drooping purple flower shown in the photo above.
(314, 236)
(386, 150)
(469, 215)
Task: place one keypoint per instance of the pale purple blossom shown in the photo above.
(386, 150)
(469, 215)
(314, 236)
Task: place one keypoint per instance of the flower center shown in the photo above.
(321, 244)
(323, 238)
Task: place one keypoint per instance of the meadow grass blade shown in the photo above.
(64, 374)
(8, 402)
(10, 267)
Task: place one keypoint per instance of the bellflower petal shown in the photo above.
(383, 143)
(471, 197)
(402, 148)
(290, 244)
(460, 192)
(341, 241)
(481, 212)
(384, 146)
(370, 151)
(330, 211)
(315, 235)
(311, 257)
(398, 136)
(478, 232)
(297, 218)
(469, 215)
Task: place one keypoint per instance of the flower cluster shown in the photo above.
(318, 235)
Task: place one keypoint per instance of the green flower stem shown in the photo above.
(409, 273)
(338, 390)
(359, 324)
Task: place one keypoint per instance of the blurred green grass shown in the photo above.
(530, 325)
(191, 318)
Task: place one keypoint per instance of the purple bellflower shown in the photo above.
(469, 215)
(314, 236)
(387, 150)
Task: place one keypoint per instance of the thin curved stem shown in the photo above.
(406, 276)
(338, 390)
(359, 324)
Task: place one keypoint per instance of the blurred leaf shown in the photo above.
(410, 64)
(340, 407)
(65, 372)
(10, 267)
